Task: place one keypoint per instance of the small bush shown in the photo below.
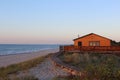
(68, 58)
(76, 58)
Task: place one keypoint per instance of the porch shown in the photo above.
(104, 49)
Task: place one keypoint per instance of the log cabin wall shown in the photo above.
(92, 40)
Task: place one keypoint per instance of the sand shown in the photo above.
(45, 71)
(17, 58)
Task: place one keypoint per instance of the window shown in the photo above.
(94, 43)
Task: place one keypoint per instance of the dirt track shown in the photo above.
(47, 70)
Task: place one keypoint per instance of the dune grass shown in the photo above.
(94, 66)
(30, 77)
(67, 78)
(15, 68)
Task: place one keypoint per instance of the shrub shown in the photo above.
(68, 58)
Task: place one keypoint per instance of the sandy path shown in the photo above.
(13, 59)
(47, 70)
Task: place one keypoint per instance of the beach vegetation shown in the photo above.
(30, 77)
(16, 68)
(94, 66)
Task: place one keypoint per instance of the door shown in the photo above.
(79, 43)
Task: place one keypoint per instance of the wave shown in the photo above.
(19, 49)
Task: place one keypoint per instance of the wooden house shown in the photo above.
(92, 40)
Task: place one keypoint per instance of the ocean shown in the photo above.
(7, 49)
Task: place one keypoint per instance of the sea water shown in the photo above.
(7, 49)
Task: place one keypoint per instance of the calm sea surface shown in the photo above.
(6, 49)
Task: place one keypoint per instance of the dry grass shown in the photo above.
(15, 68)
(25, 77)
(94, 66)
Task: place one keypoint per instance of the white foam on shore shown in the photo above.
(17, 58)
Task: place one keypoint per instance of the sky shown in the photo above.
(57, 21)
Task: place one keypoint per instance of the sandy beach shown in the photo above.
(16, 58)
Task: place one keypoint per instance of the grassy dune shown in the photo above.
(93, 66)
(15, 68)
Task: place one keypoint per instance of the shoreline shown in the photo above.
(28, 52)
(6, 60)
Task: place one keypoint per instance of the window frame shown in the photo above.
(94, 43)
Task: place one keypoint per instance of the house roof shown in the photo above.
(89, 35)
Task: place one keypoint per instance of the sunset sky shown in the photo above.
(57, 21)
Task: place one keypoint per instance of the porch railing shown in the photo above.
(90, 48)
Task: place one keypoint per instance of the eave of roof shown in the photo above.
(88, 35)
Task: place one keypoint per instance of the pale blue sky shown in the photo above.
(57, 21)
